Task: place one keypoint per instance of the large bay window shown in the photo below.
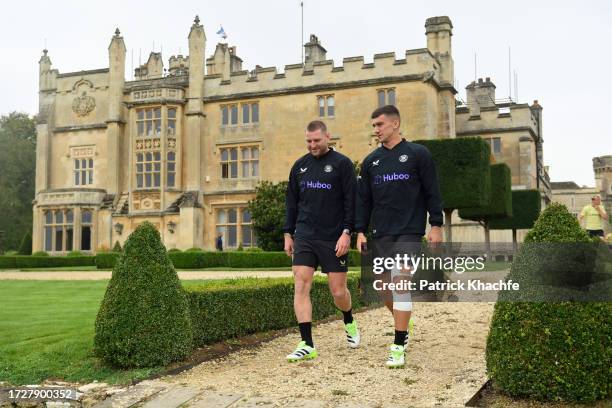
(63, 233)
(235, 226)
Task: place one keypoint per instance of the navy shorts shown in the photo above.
(312, 252)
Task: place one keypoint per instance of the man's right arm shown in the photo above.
(291, 203)
(364, 204)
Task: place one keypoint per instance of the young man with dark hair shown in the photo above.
(320, 212)
(397, 187)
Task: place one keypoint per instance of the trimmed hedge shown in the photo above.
(232, 308)
(546, 350)
(143, 320)
(33, 261)
(463, 170)
(526, 207)
(500, 205)
(192, 259)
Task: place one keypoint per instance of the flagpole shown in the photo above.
(302, 44)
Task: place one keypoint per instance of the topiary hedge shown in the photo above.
(143, 320)
(551, 350)
(238, 307)
(106, 260)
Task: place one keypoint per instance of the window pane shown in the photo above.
(224, 155)
(172, 113)
(91, 163)
(149, 157)
(48, 217)
(255, 113)
(83, 177)
(381, 98)
(157, 166)
(69, 217)
(84, 163)
(140, 128)
(234, 153)
(330, 101)
(149, 128)
(497, 145)
(171, 166)
(246, 235)
(171, 127)
(139, 180)
(86, 217)
(391, 96)
(171, 156)
(170, 179)
(234, 114)
(255, 169)
(86, 238)
(221, 217)
(139, 157)
(246, 216)
(69, 239)
(48, 239)
(224, 170)
(148, 180)
(224, 115)
(76, 164)
(149, 113)
(321, 106)
(245, 113)
(59, 217)
(140, 114)
(158, 127)
(156, 179)
(245, 169)
(331, 110)
(234, 169)
(232, 216)
(157, 156)
(255, 152)
(139, 167)
(90, 176)
(59, 235)
(148, 166)
(246, 153)
(157, 112)
(76, 178)
(321, 111)
(231, 236)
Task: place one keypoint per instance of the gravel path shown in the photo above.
(95, 275)
(445, 363)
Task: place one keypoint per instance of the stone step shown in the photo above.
(131, 396)
(173, 397)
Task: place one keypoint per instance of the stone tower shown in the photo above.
(602, 167)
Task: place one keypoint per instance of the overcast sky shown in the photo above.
(560, 49)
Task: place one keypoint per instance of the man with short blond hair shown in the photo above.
(320, 216)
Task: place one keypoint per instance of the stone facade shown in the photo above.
(185, 148)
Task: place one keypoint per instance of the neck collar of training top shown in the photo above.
(400, 142)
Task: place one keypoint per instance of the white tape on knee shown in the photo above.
(402, 306)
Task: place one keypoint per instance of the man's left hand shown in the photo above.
(435, 235)
(343, 244)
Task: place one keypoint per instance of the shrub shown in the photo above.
(143, 320)
(267, 211)
(40, 253)
(26, 245)
(106, 260)
(258, 260)
(174, 250)
(253, 305)
(194, 250)
(7, 262)
(545, 350)
(117, 247)
(46, 261)
(75, 253)
(254, 249)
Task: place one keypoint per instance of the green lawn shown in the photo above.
(47, 332)
(93, 268)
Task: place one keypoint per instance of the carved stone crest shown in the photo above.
(82, 105)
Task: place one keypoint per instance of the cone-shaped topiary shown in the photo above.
(117, 247)
(26, 245)
(143, 320)
(546, 350)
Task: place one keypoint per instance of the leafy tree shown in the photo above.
(464, 174)
(500, 205)
(25, 248)
(17, 176)
(268, 215)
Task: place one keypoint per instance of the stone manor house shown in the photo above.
(184, 146)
